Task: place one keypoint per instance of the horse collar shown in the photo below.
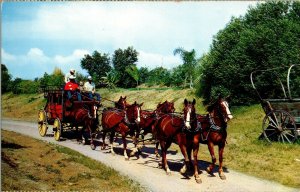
(213, 125)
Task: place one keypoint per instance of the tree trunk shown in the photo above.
(191, 82)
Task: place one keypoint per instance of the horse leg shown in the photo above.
(93, 147)
(124, 145)
(103, 140)
(210, 168)
(195, 153)
(185, 150)
(156, 149)
(111, 141)
(167, 145)
(221, 150)
(135, 149)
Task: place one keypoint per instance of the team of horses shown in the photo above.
(187, 129)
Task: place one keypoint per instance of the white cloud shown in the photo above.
(6, 56)
(68, 30)
(76, 56)
(152, 60)
(35, 63)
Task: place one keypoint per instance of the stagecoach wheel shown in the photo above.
(57, 129)
(279, 125)
(42, 123)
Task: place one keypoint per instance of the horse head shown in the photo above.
(220, 109)
(134, 112)
(189, 113)
(165, 107)
(121, 103)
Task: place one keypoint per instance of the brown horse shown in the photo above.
(81, 114)
(149, 119)
(168, 128)
(121, 103)
(209, 129)
(214, 131)
(192, 138)
(115, 120)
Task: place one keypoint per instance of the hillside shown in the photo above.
(244, 152)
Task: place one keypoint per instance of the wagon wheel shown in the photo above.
(57, 128)
(279, 125)
(42, 122)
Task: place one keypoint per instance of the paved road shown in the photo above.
(145, 170)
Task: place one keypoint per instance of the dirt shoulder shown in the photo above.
(29, 164)
(145, 171)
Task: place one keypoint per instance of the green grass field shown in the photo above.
(244, 151)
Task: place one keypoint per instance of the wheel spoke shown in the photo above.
(286, 137)
(274, 123)
(288, 133)
(272, 126)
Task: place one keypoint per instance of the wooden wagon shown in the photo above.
(282, 120)
(58, 111)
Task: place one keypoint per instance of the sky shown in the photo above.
(36, 37)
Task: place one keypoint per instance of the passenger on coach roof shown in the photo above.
(67, 76)
(72, 87)
(89, 88)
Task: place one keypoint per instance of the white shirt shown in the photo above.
(67, 76)
(89, 86)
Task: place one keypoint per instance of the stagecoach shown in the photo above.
(60, 113)
(282, 112)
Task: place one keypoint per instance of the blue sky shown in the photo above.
(39, 36)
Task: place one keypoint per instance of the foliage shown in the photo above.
(121, 60)
(111, 79)
(5, 78)
(133, 71)
(96, 64)
(20, 86)
(189, 63)
(54, 79)
(144, 73)
(268, 36)
(158, 76)
(178, 75)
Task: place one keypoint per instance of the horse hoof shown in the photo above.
(93, 147)
(198, 180)
(132, 153)
(157, 156)
(126, 159)
(168, 172)
(208, 171)
(222, 176)
(160, 165)
(183, 170)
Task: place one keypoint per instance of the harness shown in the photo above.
(213, 125)
(198, 128)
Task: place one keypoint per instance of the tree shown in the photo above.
(97, 65)
(268, 36)
(111, 79)
(133, 71)
(178, 76)
(121, 60)
(189, 62)
(144, 74)
(159, 76)
(5, 79)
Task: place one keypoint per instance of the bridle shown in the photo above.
(192, 118)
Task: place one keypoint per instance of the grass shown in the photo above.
(57, 169)
(244, 151)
